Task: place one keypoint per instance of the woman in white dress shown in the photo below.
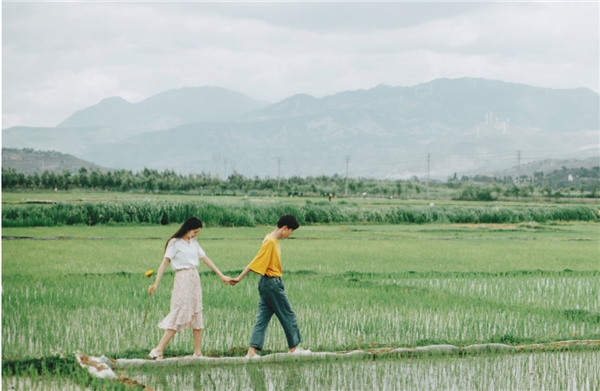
(183, 251)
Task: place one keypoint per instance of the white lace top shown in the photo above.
(184, 255)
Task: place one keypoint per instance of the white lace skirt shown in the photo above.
(186, 302)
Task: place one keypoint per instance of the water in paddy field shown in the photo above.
(534, 371)
(28, 383)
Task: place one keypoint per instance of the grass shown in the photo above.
(325, 249)
(558, 231)
(79, 196)
(352, 286)
(248, 214)
(103, 314)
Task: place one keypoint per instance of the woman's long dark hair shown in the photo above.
(188, 225)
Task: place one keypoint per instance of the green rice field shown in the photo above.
(82, 289)
(540, 371)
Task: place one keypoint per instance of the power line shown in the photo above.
(347, 161)
(278, 171)
(428, 163)
(216, 158)
(519, 167)
(406, 164)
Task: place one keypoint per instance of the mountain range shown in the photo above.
(466, 125)
(165, 110)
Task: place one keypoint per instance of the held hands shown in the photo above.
(234, 281)
(226, 279)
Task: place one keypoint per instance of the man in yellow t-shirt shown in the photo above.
(273, 300)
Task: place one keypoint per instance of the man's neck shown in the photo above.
(277, 233)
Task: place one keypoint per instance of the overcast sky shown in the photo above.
(58, 58)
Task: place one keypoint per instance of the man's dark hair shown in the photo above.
(289, 221)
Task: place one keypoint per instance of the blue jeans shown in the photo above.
(273, 300)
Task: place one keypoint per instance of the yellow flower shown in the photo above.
(149, 273)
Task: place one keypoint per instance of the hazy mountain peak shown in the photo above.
(114, 100)
(167, 109)
(95, 115)
(195, 93)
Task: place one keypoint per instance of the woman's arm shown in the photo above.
(215, 269)
(239, 278)
(159, 275)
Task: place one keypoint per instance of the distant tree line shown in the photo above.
(169, 181)
(561, 183)
(566, 182)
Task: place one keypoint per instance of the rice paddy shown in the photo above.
(540, 371)
(82, 289)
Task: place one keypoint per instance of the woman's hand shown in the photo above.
(152, 288)
(225, 279)
(234, 281)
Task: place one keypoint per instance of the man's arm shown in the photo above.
(239, 278)
(259, 263)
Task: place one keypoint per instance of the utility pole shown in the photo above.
(518, 167)
(278, 171)
(428, 164)
(216, 158)
(347, 161)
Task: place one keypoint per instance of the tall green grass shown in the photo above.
(103, 314)
(248, 215)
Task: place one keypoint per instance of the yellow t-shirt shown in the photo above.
(268, 259)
